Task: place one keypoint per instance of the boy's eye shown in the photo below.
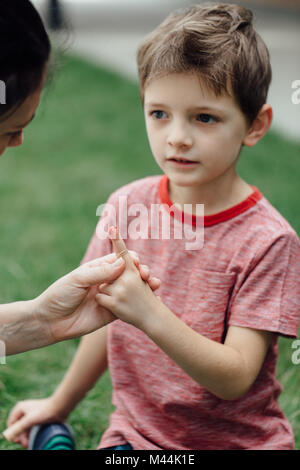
(206, 118)
(159, 114)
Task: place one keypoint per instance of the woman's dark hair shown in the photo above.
(24, 51)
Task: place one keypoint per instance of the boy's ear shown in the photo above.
(259, 126)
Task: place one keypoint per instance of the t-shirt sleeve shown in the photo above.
(269, 295)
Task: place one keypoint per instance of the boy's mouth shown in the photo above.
(182, 161)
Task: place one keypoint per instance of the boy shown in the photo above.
(195, 368)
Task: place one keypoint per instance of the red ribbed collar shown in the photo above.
(208, 219)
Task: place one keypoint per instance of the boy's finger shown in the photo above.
(154, 283)
(16, 429)
(134, 256)
(119, 246)
(144, 271)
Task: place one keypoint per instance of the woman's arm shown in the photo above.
(60, 312)
(20, 328)
(67, 309)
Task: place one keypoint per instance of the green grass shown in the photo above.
(87, 140)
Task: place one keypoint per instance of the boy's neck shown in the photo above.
(216, 198)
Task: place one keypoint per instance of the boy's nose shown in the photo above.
(179, 136)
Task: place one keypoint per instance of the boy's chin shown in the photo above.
(184, 182)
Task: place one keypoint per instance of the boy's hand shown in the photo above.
(128, 297)
(26, 414)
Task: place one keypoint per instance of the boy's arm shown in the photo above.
(89, 363)
(227, 370)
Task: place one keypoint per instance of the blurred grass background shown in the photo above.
(87, 140)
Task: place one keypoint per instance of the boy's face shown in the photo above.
(186, 121)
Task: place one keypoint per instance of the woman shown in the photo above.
(60, 312)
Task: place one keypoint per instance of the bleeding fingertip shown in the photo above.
(113, 231)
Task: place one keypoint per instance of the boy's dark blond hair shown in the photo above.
(219, 43)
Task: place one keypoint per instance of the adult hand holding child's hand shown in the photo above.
(69, 305)
(71, 308)
(129, 298)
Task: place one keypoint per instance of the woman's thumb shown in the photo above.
(92, 275)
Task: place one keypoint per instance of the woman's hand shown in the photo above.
(68, 307)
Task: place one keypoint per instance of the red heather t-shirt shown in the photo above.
(247, 275)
